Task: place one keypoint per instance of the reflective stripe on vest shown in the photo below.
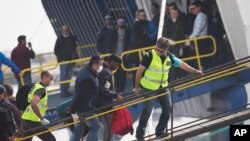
(156, 74)
(42, 105)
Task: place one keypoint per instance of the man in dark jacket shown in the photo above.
(105, 37)
(21, 56)
(106, 93)
(7, 124)
(65, 50)
(86, 98)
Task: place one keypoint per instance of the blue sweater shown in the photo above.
(7, 62)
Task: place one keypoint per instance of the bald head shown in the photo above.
(65, 30)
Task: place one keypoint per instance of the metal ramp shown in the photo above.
(239, 68)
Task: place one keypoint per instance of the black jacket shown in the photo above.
(65, 48)
(7, 123)
(86, 91)
(105, 95)
(105, 40)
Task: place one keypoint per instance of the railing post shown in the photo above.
(197, 55)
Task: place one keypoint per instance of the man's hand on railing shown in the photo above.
(75, 117)
(137, 91)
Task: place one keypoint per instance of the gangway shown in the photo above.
(239, 69)
(209, 124)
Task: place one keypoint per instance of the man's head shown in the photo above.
(155, 9)
(141, 15)
(9, 90)
(21, 39)
(65, 30)
(96, 63)
(108, 20)
(196, 7)
(121, 23)
(46, 77)
(2, 92)
(162, 45)
(114, 62)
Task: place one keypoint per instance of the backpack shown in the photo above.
(22, 97)
(122, 122)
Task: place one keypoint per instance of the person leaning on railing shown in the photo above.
(155, 65)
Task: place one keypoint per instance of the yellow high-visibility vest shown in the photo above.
(42, 105)
(156, 74)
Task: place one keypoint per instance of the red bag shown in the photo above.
(122, 122)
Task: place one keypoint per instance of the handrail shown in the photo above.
(197, 57)
(138, 99)
(55, 64)
(39, 69)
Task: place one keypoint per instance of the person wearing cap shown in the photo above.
(105, 37)
(34, 114)
(155, 66)
(7, 123)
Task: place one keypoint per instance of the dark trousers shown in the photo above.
(107, 131)
(29, 125)
(120, 80)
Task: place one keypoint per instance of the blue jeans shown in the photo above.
(94, 127)
(65, 74)
(162, 124)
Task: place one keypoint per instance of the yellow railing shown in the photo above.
(53, 65)
(45, 67)
(200, 80)
(197, 56)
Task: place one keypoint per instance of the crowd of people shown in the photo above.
(94, 86)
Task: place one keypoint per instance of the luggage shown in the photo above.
(122, 122)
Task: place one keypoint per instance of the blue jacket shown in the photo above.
(6, 61)
(86, 91)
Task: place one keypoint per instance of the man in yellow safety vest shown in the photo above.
(155, 66)
(33, 115)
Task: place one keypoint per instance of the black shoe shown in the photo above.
(162, 135)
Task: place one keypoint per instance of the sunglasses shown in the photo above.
(160, 51)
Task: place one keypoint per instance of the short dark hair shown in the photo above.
(197, 3)
(141, 10)
(174, 5)
(116, 58)
(94, 60)
(162, 43)
(20, 38)
(2, 90)
(45, 73)
(9, 89)
(155, 5)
